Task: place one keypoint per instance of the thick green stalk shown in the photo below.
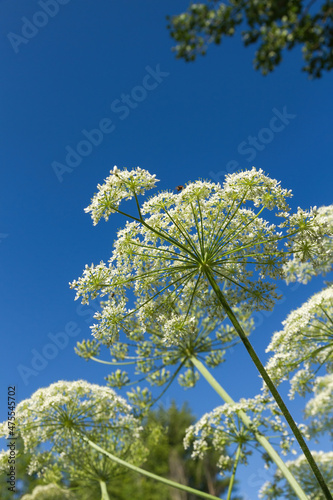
(269, 384)
(104, 491)
(168, 482)
(232, 479)
(247, 422)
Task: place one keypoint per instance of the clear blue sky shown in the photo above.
(181, 121)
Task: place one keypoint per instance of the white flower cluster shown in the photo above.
(320, 408)
(177, 327)
(223, 428)
(279, 487)
(49, 492)
(321, 260)
(305, 342)
(120, 185)
(258, 188)
(98, 277)
(178, 239)
(4, 454)
(57, 416)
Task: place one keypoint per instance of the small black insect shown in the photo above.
(179, 188)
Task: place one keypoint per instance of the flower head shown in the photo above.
(321, 257)
(280, 488)
(49, 492)
(53, 421)
(320, 408)
(120, 185)
(167, 253)
(304, 344)
(223, 428)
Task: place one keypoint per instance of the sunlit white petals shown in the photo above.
(49, 492)
(279, 488)
(177, 327)
(120, 185)
(222, 427)
(159, 203)
(305, 343)
(161, 257)
(111, 319)
(58, 415)
(95, 281)
(321, 237)
(320, 408)
(255, 186)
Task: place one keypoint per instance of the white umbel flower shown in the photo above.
(278, 488)
(320, 408)
(304, 344)
(176, 239)
(57, 417)
(120, 185)
(322, 261)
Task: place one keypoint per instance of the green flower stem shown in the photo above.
(269, 384)
(104, 491)
(116, 363)
(232, 479)
(168, 482)
(247, 422)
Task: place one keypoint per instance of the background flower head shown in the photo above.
(55, 419)
(305, 344)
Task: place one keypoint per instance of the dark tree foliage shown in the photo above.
(273, 25)
(169, 459)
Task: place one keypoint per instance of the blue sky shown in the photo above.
(109, 66)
